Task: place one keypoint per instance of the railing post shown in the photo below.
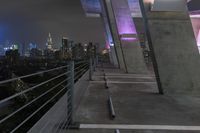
(71, 93)
(94, 59)
(91, 69)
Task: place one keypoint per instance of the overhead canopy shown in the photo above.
(91, 6)
(169, 5)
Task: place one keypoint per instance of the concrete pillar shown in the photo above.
(112, 23)
(174, 47)
(114, 57)
(109, 38)
(139, 24)
(125, 37)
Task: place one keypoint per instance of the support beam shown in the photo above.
(125, 36)
(111, 21)
(175, 50)
(109, 38)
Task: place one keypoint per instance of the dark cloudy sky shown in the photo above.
(25, 21)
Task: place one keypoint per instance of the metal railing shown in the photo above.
(22, 109)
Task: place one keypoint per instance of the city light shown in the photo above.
(195, 16)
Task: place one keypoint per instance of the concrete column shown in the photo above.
(174, 47)
(109, 38)
(125, 36)
(114, 57)
(112, 23)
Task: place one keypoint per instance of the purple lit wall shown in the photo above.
(196, 27)
(198, 39)
(124, 20)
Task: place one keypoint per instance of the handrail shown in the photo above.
(34, 74)
(80, 66)
(68, 76)
(39, 109)
(30, 89)
(32, 101)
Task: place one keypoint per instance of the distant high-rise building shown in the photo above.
(49, 43)
(32, 46)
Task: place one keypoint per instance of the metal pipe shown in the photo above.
(71, 91)
(90, 71)
(111, 107)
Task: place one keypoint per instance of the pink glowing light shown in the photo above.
(123, 17)
(128, 39)
(198, 39)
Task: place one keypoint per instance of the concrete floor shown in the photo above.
(136, 102)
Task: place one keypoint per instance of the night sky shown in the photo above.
(26, 21)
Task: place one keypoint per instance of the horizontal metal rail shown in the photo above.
(23, 122)
(80, 66)
(32, 88)
(82, 69)
(77, 63)
(80, 74)
(67, 123)
(62, 122)
(64, 125)
(26, 105)
(34, 74)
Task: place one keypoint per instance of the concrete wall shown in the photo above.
(176, 52)
(113, 56)
(114, 32)
(129, 49)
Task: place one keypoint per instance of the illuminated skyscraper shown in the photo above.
(49, 43)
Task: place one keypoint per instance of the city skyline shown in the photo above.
(30, 21)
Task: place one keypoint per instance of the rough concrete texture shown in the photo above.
(126, 131)
(112, 23)
(129, 53)
(114, 56)
(132, 51)
(176, 52)
(139, 24)
(133, 57)
(135, 104)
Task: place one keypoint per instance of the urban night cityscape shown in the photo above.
(100, 66)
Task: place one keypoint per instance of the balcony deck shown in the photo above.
(138, 107)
